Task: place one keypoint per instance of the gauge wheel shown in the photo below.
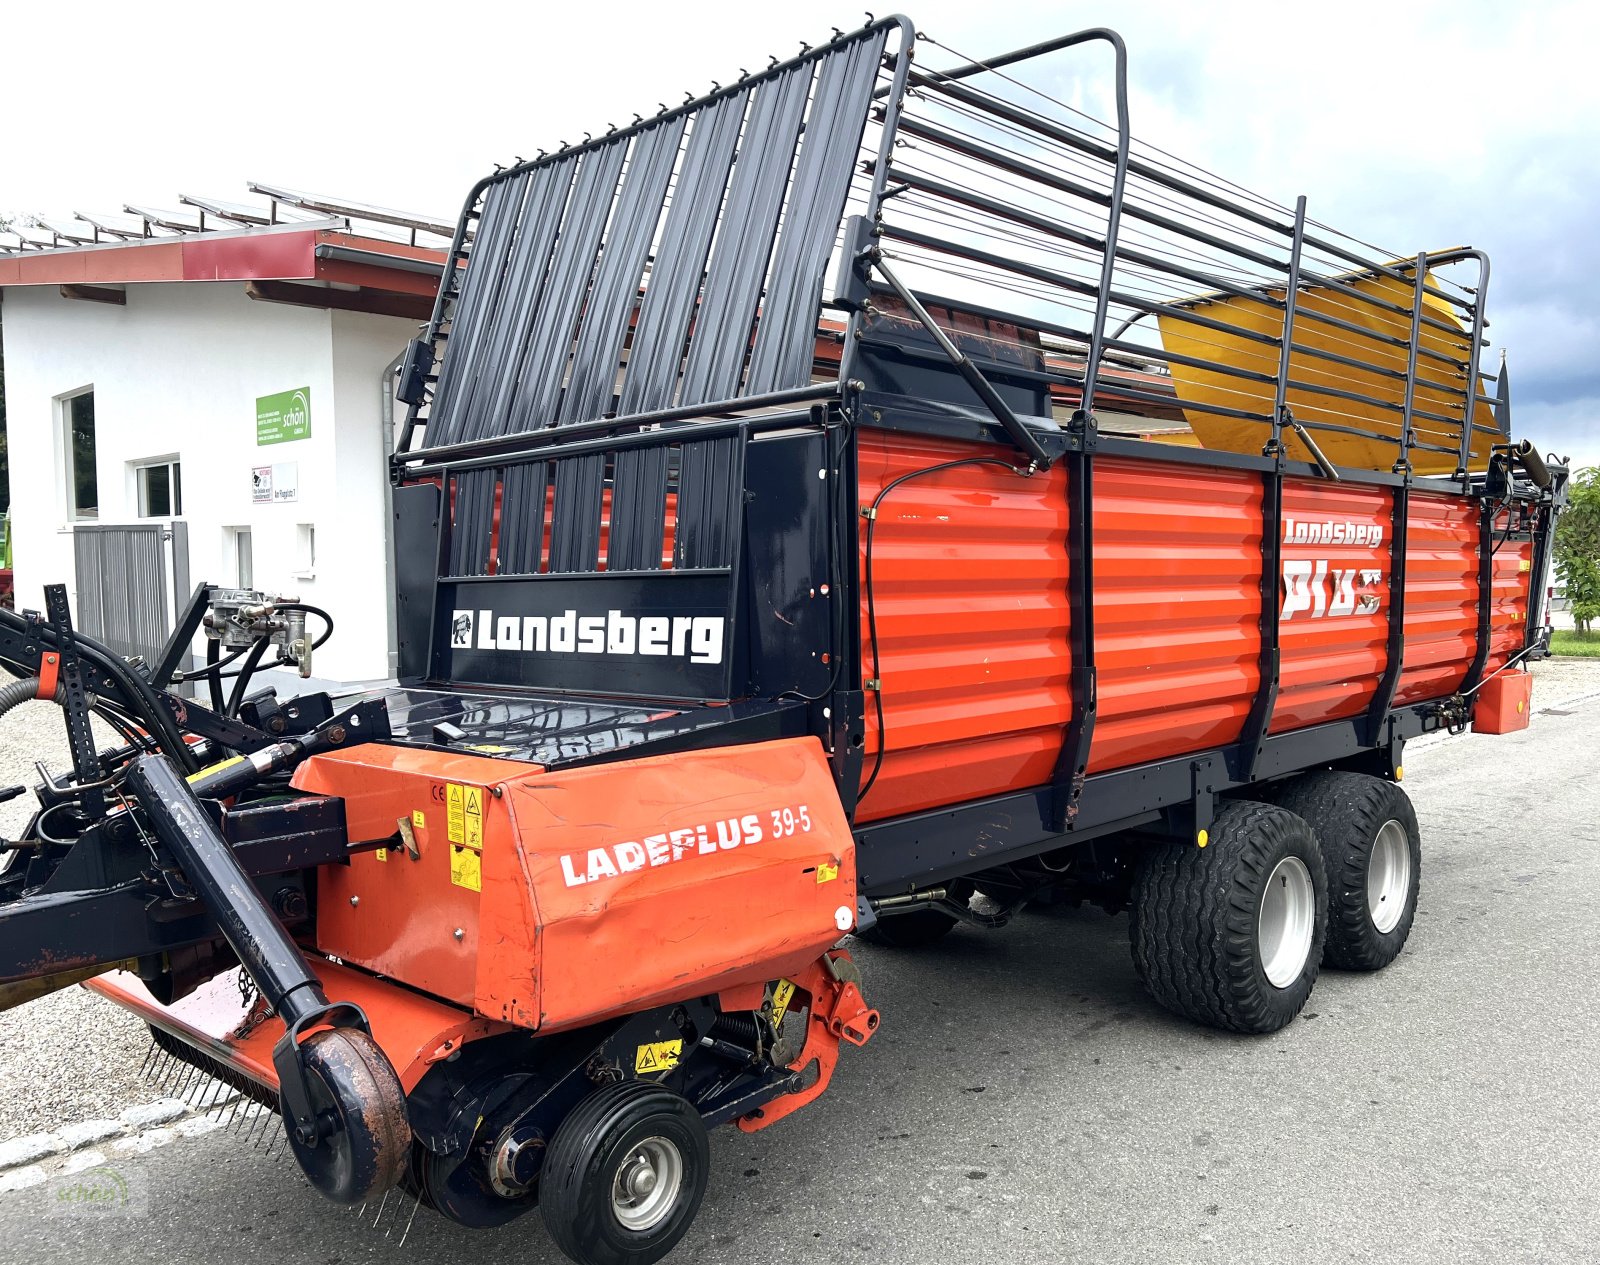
(624, 1175)
(364, 1137)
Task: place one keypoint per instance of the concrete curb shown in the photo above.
(34, 1158)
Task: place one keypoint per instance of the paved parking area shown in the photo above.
(1024, 1101)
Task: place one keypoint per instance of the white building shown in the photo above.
(238, 383)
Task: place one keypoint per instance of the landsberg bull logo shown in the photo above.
(1315, 588)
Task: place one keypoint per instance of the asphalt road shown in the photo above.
(1024, 1101)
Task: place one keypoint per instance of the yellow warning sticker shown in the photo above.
(472, 811)
(466, 867)
(658, 1056)
(782, 995)
(418, 821)
(382, 854)
(456, 822)
(455, 806)
(827, 872)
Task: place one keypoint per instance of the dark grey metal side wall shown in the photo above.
(739, 195)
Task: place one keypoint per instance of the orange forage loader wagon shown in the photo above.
(864, 499)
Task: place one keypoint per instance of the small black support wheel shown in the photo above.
(624, 1175)
(365, 1136)
(1230, 935)
(1373, 851)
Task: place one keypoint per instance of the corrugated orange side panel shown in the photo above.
(1508, 615)
(1441, 595)
(1333, 641)
(1177, 608)
(969, 582)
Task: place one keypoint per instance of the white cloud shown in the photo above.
(1415, 125)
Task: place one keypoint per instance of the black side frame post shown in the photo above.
(1072, 762)
(1395, 649)
(1266, 700)
(1480, 659)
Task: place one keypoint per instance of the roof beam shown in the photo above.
(95, 294)
(375, 302)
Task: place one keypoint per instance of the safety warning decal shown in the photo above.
(464, 814)
(455, 813)
(782, 995)
(466, 867)
(658, 1056)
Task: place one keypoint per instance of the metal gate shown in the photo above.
(130, 577)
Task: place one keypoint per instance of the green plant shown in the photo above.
(1578, 548)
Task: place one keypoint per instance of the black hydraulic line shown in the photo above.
(875, 684)
(246, 671)
(214, 676)
(141, 700)
(1038, 458)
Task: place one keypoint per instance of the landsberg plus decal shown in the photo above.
(1315, 588)
(698, 638)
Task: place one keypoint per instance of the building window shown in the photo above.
(244, 569)
(160, 488)
(83, 489)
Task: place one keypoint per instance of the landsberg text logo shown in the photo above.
(698, 638)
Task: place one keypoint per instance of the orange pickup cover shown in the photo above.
(552, 899)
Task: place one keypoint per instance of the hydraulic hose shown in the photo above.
(144, 705)
(18, 693)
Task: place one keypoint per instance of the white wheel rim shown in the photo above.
(645, 1188)
(1389, 876)
(1288, 913)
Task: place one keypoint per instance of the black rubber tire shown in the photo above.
(369, 1147)
(1196, 913)
(1347, 810)
(575, 1183)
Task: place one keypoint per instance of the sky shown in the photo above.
(1411, 124)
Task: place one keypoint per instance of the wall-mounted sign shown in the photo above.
(272, 484)
(283, 417)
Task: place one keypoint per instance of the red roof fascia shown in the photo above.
(270, 256)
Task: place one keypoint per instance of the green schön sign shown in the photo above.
(284, 416)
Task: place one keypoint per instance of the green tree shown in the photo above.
(1578, 548)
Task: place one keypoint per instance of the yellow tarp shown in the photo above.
(1441, 388)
